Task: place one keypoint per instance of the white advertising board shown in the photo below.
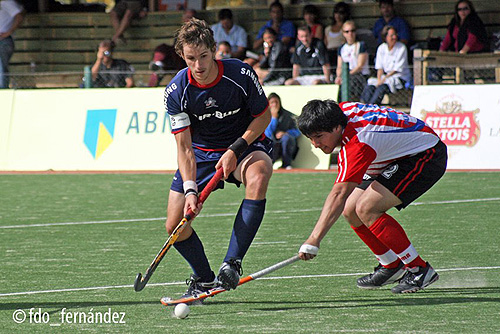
(110, 129)
(467, 118)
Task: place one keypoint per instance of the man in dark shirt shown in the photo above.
(310, 60)
(110, 72)
(389, 17)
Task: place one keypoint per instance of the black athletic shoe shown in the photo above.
(229, 274)
(416, 279)
(195, 287)
(381, 276)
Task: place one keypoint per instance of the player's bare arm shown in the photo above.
(229, 160)
(187, 167)
(332, 209)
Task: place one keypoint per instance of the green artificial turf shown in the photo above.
(92, 234)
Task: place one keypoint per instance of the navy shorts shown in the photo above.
(206, 161)
(410, 177)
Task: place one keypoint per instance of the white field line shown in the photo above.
(227, 214)
(182, 283)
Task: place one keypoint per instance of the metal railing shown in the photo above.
(471, 74)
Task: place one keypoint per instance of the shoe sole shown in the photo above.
(415, 289)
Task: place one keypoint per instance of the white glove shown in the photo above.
(309, 249)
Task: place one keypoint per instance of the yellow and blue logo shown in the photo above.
(99, 130)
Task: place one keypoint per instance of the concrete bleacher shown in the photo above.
(66, 42)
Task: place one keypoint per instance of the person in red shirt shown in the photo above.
(387, 159)
(466, 32)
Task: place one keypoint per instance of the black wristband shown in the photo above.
(190, 192)
(238, 147)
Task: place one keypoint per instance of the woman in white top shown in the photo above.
(333, 33)
(391, 63)
(355, 54)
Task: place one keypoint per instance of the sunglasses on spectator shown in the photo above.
(348, 31)
(460, 9)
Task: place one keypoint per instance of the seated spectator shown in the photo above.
(274, 61)
(333, 33)
(311, 17)
(188, 14)
(310, 61)
(392, 68)
(285, 29)
(229, 32)
(122, 15)
(389, 17)
(466, 32)
(283, 132)
(223, 51)
(11, 16)
(164, 59)
(354, 53)
(110, 72)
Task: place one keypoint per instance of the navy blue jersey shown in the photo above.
(217, 113)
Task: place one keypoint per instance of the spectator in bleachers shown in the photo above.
(389, 17)
(274, 61)
(110, 72)
(235, 35)
(223, 50)
(354, 53)
(122, 15)
(310, 60)
(466, 32)
(283, 131)
(391, 63)
(188, 14)
(311, 17)
(333, 33)
(164, 59)
(284, 28)
(11, 16)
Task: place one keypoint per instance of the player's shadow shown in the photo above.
(436, 296)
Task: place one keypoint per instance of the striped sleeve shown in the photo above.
(354, 160)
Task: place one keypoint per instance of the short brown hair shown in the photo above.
(194, 32)
(385, 31)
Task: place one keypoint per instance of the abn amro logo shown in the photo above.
(99, 130)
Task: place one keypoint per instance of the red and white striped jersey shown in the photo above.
(376, 136)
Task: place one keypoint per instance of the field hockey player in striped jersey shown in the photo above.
(387, 159)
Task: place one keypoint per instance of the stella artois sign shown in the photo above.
(454, 125)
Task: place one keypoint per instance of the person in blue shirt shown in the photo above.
(285, 29)
(218, 113)
(389, 17)
(229, 32)
(283, 132)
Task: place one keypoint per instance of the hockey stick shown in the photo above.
(141, 281)
(215, 291)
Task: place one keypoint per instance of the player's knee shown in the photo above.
(350, 215)
(364, 210)
(258, 180)
(169, 227)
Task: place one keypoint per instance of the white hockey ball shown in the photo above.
(181, 310)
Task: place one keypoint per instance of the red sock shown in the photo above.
(389, 232)
(384, 255)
